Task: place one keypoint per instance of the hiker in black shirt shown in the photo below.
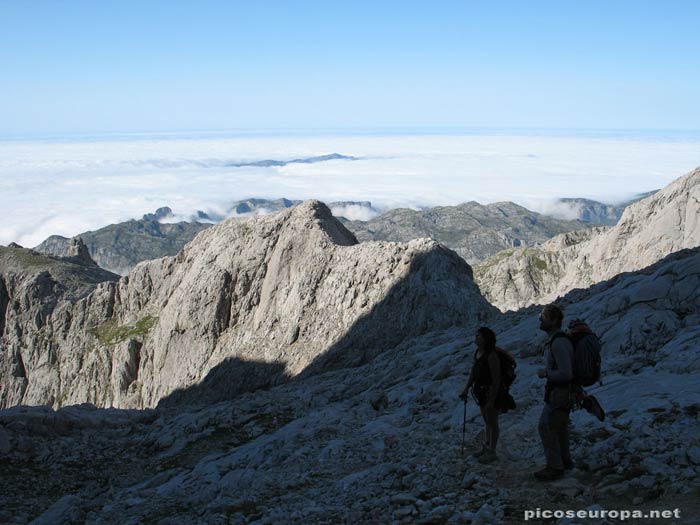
(485, 381)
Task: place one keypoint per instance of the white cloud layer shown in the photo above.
(70, 187)
(354, 212)
(560, 209)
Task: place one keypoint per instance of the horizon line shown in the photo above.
(339, 130)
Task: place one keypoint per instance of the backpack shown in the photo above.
(587, 352)
(504, 400)
(508, 366)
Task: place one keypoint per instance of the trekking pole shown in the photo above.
(464, 427)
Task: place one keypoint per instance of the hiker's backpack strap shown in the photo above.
(560, 334)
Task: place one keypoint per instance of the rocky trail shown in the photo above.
(317, 451)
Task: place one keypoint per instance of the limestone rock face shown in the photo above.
(36, 290)
(246, 304)
(648, 230)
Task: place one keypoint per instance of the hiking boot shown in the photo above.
(548, 474)
(488, 457)
(590, 403)
(481, 452)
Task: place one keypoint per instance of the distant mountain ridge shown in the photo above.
(274, 163)
(598, 213)
(473, 230)
(119, 247)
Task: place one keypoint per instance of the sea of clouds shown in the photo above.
(70, 186)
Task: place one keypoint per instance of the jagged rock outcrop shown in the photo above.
(34, 291)
(648, 230)
(78, 250)
(246, 304)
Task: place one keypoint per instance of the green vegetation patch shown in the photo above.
(111, 332)
(539, 263)
(26, 258)
(493, 260)
(499, 256)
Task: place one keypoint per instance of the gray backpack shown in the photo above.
(587, 353)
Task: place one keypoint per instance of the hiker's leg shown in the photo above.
(560, 426)
(564, 438)
(492, 414)
(487, 429)
(550, 437)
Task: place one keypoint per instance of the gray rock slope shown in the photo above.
(648, 230)
(245, 305)
(475, 231)
(380, 443)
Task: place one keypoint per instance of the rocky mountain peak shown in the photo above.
(321, 214)
(161, 213)
(246, 304)
(79, 251)
(676, 208)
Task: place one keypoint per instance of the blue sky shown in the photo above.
(146, 66)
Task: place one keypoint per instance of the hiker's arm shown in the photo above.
(563, 353)
(469, 383)
(495, 368)
(472, 374)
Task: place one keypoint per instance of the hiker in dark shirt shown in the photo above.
(485, 379)
(554, 421)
